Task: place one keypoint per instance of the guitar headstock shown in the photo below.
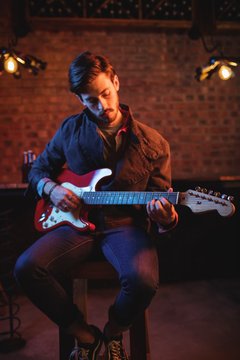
(202, 200)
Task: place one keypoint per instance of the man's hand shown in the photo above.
(161, 211)
(64, 198)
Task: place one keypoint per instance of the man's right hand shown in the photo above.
(61, 197)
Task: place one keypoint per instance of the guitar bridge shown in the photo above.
(42, 217)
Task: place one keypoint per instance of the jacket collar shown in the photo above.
(138, 132)
(149, 144)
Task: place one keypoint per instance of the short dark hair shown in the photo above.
(85, 68)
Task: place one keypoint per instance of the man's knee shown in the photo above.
(140, 284)
(24, 268)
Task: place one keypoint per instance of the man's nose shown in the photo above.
(102, 105)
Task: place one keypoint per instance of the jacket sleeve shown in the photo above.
(160, 177)
(49, 162)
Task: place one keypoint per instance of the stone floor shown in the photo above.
(197, 320)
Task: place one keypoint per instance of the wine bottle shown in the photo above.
(25, 167)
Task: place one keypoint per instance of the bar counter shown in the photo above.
(20, 210)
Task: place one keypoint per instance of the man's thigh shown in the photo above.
(61, 248)
(130, 249)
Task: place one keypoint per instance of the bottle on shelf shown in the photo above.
(28, 158)
(25, 167)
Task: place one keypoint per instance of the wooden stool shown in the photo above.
(102, 270)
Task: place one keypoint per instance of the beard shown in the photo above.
(109, 115)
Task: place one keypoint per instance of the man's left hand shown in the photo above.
(161, 211)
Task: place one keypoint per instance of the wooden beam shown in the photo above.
(53, 24)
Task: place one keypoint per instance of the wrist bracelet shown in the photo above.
(51, 190)
(45, 183)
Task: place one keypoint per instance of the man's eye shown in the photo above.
(106, 94)
(92, 101)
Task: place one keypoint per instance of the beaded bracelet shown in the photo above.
(51, 190)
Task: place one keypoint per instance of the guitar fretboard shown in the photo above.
(126, 197)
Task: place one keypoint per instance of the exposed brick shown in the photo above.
(200, 120)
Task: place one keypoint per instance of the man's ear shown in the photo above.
(79, 98)
(116, 82)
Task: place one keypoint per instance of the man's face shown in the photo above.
(102, 99)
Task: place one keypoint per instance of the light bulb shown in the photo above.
(10, 65)
(225, 72)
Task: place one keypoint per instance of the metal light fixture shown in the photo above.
(11, 61)
(218, 64)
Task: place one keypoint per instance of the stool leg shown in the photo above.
(139, 339)
(66, 344)
(66, 341)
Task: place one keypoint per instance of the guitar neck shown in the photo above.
(126, 197)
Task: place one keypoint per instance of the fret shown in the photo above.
(94, 198)
(142, 197)
(105, 198)
(86, 197)
(129, 199)
(110, 198)
(136, 197)
(91, 198)
(124, 197)
(116, 198)
(159, 194)
(173, 197)
(119, 198)
(98, 198)
(149, 197)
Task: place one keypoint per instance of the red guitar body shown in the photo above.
(47, 216)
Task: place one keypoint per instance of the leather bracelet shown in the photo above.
(51, 190)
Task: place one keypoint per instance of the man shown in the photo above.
(103, 135)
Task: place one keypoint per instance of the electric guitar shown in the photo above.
(48, 216)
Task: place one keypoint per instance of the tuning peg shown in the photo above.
(210, 192)
(197, 188)
(204, 190)
(217, 194)
(230, 198)
(224, 196)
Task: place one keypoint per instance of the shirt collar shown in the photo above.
(126, 119)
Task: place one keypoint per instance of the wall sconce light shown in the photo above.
(218, 64)
(225, 72)
(11, 61)
(10, 65)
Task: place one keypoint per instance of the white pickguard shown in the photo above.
(73, 217)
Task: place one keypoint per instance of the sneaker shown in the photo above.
(115, 350)
(88, 351)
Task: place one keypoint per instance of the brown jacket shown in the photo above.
(144, 164)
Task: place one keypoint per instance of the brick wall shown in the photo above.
(200, 120)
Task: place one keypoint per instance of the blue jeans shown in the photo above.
(44, 270)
